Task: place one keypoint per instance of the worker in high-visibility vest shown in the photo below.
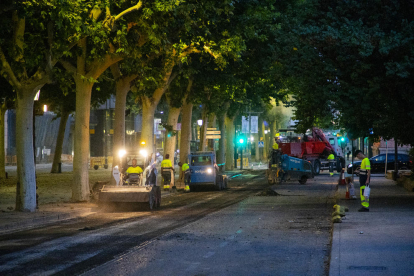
(166, 168)
(186, 175)
(275, 145)
(331, 159)
(133, 172)
(364, 179)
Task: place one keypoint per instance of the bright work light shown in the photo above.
(121, 153)
(143, 152)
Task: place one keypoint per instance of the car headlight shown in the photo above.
(121, 153)
(209, 170)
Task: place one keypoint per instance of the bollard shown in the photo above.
(59, 167)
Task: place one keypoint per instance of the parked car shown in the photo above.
(378, 163)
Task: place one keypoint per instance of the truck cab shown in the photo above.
(203, 171)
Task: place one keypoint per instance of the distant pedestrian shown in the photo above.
(364, 179)
(348, 153)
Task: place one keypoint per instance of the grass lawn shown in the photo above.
(52, 188)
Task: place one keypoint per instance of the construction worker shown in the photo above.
(331, 159)
(166, 168)
(185, 168)
(275, 145)
(364, 179)
(133, 172)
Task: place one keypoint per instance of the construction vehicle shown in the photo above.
(136, 189)
(283, 167)
(204, 171)
(314, 148)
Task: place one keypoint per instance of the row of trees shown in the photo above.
(207, 52)
(338, 61)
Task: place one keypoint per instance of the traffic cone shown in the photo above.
(342, 179)
(347, 193)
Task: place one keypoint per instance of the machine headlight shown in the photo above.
(209, 170)
(350, 165)
(143, 152)
(121, 153)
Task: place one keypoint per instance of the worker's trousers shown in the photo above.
(362, 181)
(187, 177)
(331, 167)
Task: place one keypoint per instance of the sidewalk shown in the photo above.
(380, 242)
(54, 209)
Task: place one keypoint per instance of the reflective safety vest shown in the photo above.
(275, 146)
(331, 157)
(365, 166)
(166, 163)
(185, 167)
(136, 169)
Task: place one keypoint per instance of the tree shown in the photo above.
(23, 27)
(360, 54)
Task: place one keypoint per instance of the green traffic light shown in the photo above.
(241, 141)
(342, 139)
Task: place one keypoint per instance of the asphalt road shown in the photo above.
(240, 231)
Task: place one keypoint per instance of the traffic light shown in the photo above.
(241, 140)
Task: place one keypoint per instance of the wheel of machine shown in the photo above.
(151, 201)
(303, 179)
(316, 167)
(158, 198)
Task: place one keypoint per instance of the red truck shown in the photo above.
(314, 149)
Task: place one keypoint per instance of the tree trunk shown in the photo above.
(147, 132)
(256, 146)
(230, 132)
(122, 90)
(59, 141)
(203, 130)
(221, 156)
(26, 190)
(262, 134)
(2, 150)
(80, 185)
(186, 114)
(170, 142)
(211, 124)
(272, 134)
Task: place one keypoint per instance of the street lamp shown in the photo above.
(200, 122)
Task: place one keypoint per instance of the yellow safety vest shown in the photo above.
(185, 167)
(331, 157)
(275, 146)
(365, 164)
(137, 169)
(166, 163)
